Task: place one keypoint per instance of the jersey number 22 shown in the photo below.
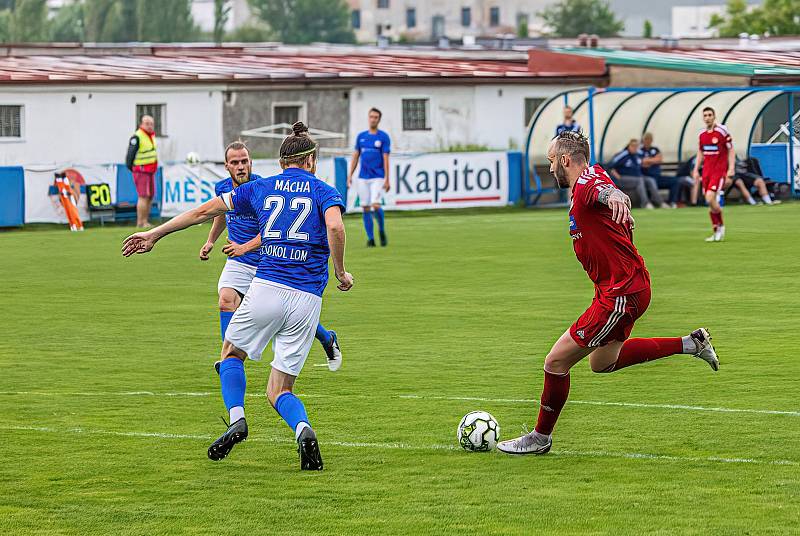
(276, 204)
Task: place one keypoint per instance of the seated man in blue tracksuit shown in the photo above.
(626, 169)
(651, 167)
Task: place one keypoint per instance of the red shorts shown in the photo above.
(145, 183)
(609, 319)
(713, 185)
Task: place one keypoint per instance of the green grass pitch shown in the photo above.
(110, 401)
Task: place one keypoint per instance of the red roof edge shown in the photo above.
(545, 61)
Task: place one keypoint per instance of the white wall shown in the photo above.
(490, 115)
(694, 21)
(96, 127)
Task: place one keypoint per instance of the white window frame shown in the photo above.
(428, 112)
(303, 115)
(21, 138)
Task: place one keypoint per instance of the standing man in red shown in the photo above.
(718, 160)
(601, 228)
(142, 160)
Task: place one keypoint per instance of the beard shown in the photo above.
(240, 180)
(561, 176)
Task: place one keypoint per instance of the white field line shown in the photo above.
(680, 407)
(404, 446)
(601, 403)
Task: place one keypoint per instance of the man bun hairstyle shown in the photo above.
(237, 145)
(297, 146)
(574, 144)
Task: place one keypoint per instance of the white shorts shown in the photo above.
(236, 275)
(273, 312)
(370, 191)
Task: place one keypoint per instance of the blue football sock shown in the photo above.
(369, 226)
(379, 216)
(322, 334)
(233, 382)
(291, 409)
(224, 320)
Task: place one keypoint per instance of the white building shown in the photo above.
(203, 14)
(83, 108)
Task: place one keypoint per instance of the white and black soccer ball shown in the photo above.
(478, 431)
(192, 158)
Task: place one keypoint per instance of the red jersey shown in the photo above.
(604, 248)
(715, 145)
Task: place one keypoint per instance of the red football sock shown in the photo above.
(719, 218)
(714, 218)
(635, 351)
(554, 396)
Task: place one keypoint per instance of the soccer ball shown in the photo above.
(192, 158)
(478, 431)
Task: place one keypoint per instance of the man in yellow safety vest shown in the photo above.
(142, 160)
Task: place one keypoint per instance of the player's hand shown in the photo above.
(387, 185)
(232, 249)
(349, 181)
(696, 176)
(345, 281)
(620, 205)
(205, 250)
(138, 243)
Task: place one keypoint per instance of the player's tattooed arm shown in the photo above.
(619, 203)
(232, 249)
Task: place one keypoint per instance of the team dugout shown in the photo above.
(612, 116)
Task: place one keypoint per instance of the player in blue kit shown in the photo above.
(300, 221)
(241, 266)
(372, 148)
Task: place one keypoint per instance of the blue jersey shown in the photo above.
(241, 227)
(574, 127)
(290, 208)
(372, 147)
(655, 170)
(626, 163)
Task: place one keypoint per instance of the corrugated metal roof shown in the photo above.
(227, 64)
(751, 63)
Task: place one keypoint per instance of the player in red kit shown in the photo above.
(601, 228)
(718, 159)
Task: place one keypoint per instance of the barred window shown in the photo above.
(157, 112)
(415, 114)
(531, 105)
(288, 112)
(10, 121)
(383, 4)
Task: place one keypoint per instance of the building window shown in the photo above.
(10, 121)
(494, 16)
(411, 18)
(355, 18)
(383, 4)
(288, 112)
(531, 105)
(437, 27)
(415, 114)
(159, 114)
(466, 17)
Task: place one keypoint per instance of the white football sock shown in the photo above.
(751, 200)
(541, 439)
(766, 199)
(236, 413)
(300, 427)
(689, 345)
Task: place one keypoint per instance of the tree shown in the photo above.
(221, 13)
(103, 21)
(165, 22)
(251, 32)
(571, 18)
(29, 21)
(306, 21)
(647, 32)
(774, 17)
(68, 25)
(5, 25)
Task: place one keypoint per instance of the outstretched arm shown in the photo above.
(336, 241)
(144, 242)
(619, 203)
(216, 229)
